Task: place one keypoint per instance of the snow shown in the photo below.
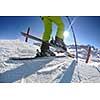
(60, 69)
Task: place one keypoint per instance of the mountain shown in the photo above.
(58, 69)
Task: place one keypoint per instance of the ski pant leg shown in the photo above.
(47, 28)
(60, 25)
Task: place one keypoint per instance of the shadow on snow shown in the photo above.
(28, 68)
(67, 77)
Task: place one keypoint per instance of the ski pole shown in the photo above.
(73, 37)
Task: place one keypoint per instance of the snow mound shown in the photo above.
(16, 48)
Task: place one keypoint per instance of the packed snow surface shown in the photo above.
(60, 69)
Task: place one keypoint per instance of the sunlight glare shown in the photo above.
(66, 34)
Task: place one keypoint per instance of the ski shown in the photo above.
(40, 40)
(58, 49)
(32, 58)
(19, 58)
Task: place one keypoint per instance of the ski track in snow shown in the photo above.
(47, 69)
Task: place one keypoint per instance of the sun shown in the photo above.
(66, 34)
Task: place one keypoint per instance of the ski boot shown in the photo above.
(59, 42)
(45, 51)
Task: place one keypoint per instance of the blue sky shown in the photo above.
(87, 28)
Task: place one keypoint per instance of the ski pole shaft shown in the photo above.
(26, 39)
(88, 55)
(73, 37)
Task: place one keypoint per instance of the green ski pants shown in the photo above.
(48, 20)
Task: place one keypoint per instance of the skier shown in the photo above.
(48, 20)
